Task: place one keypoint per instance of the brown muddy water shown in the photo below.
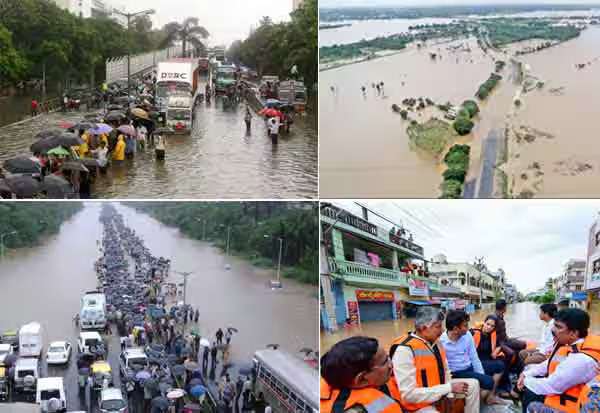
(365, 150)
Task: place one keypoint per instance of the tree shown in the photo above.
(12, 64)
(471, 107)
(234, 52)
(463, 126)
(187, 32)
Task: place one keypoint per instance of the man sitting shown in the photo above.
(356, 377)
(559, 381)
(462, 355)
(421, 369)
(546, 344)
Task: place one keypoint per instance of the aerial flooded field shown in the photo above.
(532, 132)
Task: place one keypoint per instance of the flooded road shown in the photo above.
(521, 321)
(218, 160)
(46, 284)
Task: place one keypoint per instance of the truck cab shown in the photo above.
(31, 340)
(224, 78)
(179, 113)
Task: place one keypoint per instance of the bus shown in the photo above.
(286, 382)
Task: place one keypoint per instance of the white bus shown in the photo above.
(287, 383)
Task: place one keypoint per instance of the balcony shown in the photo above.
(366, 274)
(344, 220)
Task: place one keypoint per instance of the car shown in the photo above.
(59, 352)
(111, 401)
(129, 358)
(89, 341)
(50, 395)
(5, 350)
(27, 373)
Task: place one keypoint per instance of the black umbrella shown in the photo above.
(22, 165)
(23, 186)
(45, 144)
(160, 403)
(68, 139)
(84, 126)
(151, 384)
(232, 329)
(74, 166)
(115, 116)
(89, 162)
(191, 365)
(47, 133)
(56, 187)
(178, 370)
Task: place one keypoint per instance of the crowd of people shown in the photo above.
(461, 369)
(145, 311)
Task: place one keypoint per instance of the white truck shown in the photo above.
(174, 77)
(50, 395)
(31, 340)
(93, 310)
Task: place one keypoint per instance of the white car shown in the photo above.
(50, 395)
(5, 350)
(111, 401)
(89, 341)
(59, 352)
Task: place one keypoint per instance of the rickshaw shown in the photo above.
(100, 371)
(3, 384)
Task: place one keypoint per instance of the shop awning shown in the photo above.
(416, 302)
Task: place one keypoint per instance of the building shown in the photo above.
(476, 286)
(592, 270)
(570, 283)
(297, 4)
(81, 8)
(369, 272)
(510, 293)
(93, 8)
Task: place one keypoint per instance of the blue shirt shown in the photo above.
(461, 354)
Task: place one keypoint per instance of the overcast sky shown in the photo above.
(530, 240)
(400, 3)
(226, 20)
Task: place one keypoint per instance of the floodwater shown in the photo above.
(218, 160)
(365, 151)
(45, 284)
(370, 29)
(568, 108)
(521, 322)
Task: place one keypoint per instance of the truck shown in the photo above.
(31, 340)
(179, 114)
(93, 310)
(293, 93)
(174, 77)
(224, 78)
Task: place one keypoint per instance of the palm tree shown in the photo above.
(188, 32)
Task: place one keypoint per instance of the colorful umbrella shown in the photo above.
(271, 113)
(100, 129)
(140, 113)
(127, 130)
(175, 394)
(59, 151)
(198, 390)
(65, 124)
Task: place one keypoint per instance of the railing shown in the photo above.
(395, 239)
(116, 68)
(367, 272)
(447, 289)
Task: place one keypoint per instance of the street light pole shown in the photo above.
(279, 260)
(228, 235)
(185, 276)
(2, 236)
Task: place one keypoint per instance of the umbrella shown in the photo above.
(164, 387)
(204, 342)
(56, 186)
(178, 370)
(68, 139)
(47, 133)
(100, 129)
(232, 329)
(127, 130)
(195, 382)
(90, 117)
(22, 165)
(270, 113)
(140, 113)
(197, 390)
(245, 369)
(45, 144)
(89, 162)
(74, 166)
(191, 365)
(151, 384)
(272, 103)
(175, 394)
(65, 124)
(143, 375)
(84, 126)
(161, 403)
(115, 116)
(23, 185)
(59, 151)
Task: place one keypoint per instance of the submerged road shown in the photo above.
(45, 284)
(217, 160)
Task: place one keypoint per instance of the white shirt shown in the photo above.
(546, 339)
(274, 126)
(101, 154)
(577, 368)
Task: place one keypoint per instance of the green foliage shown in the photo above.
(12, 64)
(451, 189)
(548, 298)
(487, 86)
(273, 49)
(455, 174)
(188, 32)
(33, 220)
(250, 222)
(471, 107)
(433, 136)
(458, 157)
(457, 160)
(503, 31)
(463, 125)
(363, 48)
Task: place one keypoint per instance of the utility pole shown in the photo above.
(185, 277)
(228, 235)
(279, 261)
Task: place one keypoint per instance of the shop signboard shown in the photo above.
(418, 288)
(374, 295)
(353, 312)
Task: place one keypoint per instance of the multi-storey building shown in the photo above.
(371, 272)
(592, 270)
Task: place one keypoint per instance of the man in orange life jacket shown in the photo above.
(421, 368)
(558, 381)
(356, 377)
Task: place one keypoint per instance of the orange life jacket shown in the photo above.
(584, 396)
(373, 400)
(430, 369)
(477, 331)
(568, 401)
